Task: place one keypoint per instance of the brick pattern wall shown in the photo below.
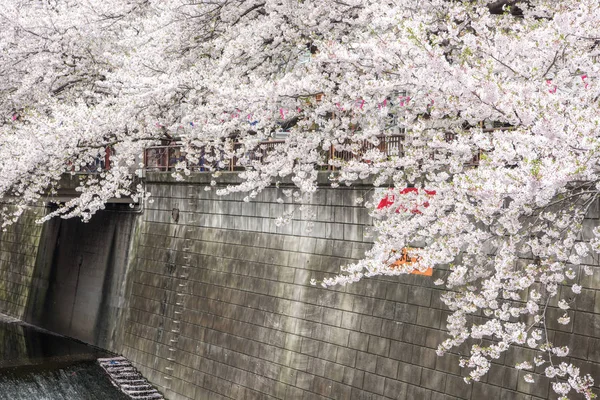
(220, 305)
(222, 308)
(18, 250)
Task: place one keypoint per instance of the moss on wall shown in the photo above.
(19, 246)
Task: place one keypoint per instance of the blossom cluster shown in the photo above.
(510, 86)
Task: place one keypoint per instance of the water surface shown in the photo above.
(39, 365)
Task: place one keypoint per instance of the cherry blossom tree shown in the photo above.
(510, 84)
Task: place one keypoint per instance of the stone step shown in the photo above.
(139, 386)
(140, 393)
(128, 379)
(133, 381)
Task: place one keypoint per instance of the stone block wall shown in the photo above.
(19, 245)
(68, 276)
(216, 302)
(222, 308)
(81, 276)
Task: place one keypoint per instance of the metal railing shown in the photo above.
(97, 165)
(166, 158)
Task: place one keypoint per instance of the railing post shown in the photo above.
(107, 158)
(329, 165)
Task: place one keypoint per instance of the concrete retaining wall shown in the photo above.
(218, 305)
(19, 246)
(81, 283)
(221, 307)
(68, 276)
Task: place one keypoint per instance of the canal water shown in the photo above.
(39, 365)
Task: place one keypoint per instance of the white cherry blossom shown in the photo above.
(497, 107)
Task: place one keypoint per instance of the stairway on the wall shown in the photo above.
(127, 378)
(181, 292)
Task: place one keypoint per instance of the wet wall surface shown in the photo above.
(38, 365)
(216, 303)
(221, 306)
(19, 245)
(79, 279)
